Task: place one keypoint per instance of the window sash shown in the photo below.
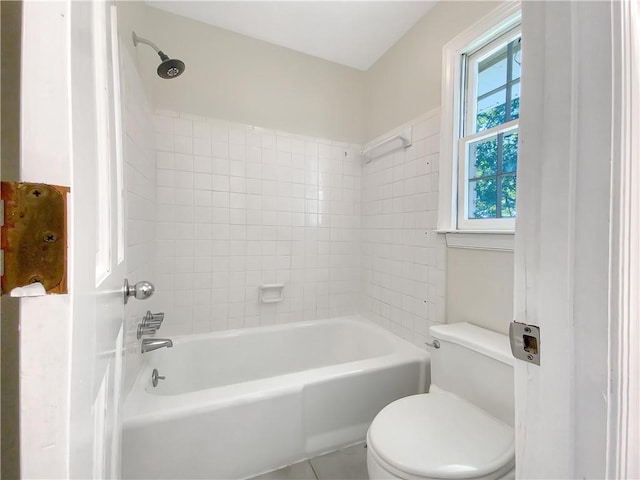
(490, 132)
(463, 222)
(470, 62)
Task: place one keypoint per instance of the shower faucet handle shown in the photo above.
(150, 324)
(153, 319)
(145, 330)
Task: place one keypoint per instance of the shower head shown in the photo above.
(170, 67)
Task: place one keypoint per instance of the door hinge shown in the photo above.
(1, 225)
(33, 236)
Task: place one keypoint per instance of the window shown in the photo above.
(479, 130)
(488, 144)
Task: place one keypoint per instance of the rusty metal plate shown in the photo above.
(34, 236)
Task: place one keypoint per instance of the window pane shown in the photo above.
(510, 152)
(515, 100)
(491, 110)
(492, 72)
(482, 198)
(508, 196)
(483, 158)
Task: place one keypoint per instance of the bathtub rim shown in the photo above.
(236, 332)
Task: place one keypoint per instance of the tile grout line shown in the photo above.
(313, 470)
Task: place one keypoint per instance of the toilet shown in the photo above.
(462, 428)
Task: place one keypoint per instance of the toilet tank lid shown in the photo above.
(487, 342)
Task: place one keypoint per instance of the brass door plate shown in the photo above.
(34, 236)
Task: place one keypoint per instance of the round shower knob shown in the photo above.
(140, 290)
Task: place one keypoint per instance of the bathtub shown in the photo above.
(239, 403)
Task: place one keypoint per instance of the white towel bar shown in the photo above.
(404, 138)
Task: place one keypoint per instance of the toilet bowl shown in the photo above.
(462, 431)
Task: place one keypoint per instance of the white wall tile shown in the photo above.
(183, 162)
(182, 144)
(403, 263)
(233, 217)
(202, 164)
(164, 160)
(182, 127)
(266, 207)
(201, 130)
(201, 146)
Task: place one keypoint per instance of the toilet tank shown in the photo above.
(475, 364)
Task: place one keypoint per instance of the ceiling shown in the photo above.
(352, 33)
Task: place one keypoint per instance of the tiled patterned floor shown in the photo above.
(346, 464)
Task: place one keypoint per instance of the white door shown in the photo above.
(99, 264)
(577, 241)
(71, 136)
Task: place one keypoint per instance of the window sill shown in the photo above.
(486, 240)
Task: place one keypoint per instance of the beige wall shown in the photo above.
(480, 288)
(405, 82)
(239, 79)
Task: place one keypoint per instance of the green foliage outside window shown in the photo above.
(486, 177)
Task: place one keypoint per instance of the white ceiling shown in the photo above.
(352, 33)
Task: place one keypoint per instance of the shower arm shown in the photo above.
(137, 40)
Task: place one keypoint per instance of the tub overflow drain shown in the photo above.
(155, 377)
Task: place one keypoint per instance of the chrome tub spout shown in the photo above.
(151, 344)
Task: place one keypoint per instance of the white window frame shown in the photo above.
(488, 235)
(467, 136)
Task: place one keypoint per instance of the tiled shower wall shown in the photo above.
(403, 259)
(140, 186)
(240, 206)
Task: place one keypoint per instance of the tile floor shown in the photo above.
(345, 464)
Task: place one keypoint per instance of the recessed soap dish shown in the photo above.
(271, 293)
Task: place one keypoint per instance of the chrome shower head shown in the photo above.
(170, 67)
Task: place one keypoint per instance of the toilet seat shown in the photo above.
(440, 436)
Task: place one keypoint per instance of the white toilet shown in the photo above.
(462, 428)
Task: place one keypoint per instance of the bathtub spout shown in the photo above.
(150, 344)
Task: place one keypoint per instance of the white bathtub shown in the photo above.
(239, 403)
